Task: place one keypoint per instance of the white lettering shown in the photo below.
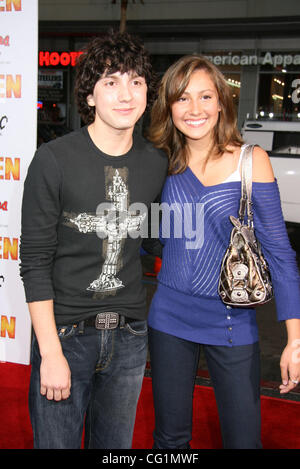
(226, 59)
(166, 210)
(111, 459)
(235, 60)
(296, 92)
(183, 458)
(209, 57)
(277, 60)
(253, 60)
(296, 60)
(196, 235)
(267, 59)
(244, 60)
(287, 60)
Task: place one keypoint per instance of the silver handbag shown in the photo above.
(245, 278)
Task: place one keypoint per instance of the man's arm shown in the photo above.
(55, 372)
(152, 244)
(40, 214)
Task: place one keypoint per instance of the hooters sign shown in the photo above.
(18, 124)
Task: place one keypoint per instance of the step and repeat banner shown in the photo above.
(18, 124)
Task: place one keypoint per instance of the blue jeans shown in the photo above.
(107, 370)
(235, 375)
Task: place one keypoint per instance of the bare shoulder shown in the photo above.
(262, 170)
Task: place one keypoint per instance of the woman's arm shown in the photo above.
(290, 358)
(262, 170)
(290, 361)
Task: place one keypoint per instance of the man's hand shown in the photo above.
(55, 377)
(54, 370)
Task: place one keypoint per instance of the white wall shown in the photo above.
(18, 59)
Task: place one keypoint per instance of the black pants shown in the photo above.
(235, 374)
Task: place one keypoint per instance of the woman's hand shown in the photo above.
(290, 366)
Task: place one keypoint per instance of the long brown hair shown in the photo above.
(163, 133)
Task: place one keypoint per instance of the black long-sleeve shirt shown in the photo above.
(63, 254)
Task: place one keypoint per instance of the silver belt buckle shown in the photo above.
(107, 320)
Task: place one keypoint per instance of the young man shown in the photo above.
(80, 266)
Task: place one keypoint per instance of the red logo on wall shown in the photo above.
(9, 168)
(3, 206)
(8, 327)
(10, 5)
(4, 41)
(9, 248)
(58, 58)
(10, 86)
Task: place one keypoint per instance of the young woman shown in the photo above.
(193, 120)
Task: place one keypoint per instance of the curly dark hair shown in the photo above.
(111, 53)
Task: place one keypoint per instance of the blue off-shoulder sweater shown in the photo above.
(186, 303)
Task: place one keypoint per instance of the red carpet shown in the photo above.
(280, 418)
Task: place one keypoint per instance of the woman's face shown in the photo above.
(196, 112)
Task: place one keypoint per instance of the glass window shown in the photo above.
(278, 96)
(234, 81)
(161, 63)
(279, 86)
(286, 143)
(52, 104)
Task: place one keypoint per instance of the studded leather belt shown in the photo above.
(107, 320)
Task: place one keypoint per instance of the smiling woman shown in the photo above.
(196, 111)
(174, 85)
(193, 120)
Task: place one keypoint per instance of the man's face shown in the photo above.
(119, 99)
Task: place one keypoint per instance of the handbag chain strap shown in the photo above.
(246, 195)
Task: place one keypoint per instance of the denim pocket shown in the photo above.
(64, 332)
(137, 327)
